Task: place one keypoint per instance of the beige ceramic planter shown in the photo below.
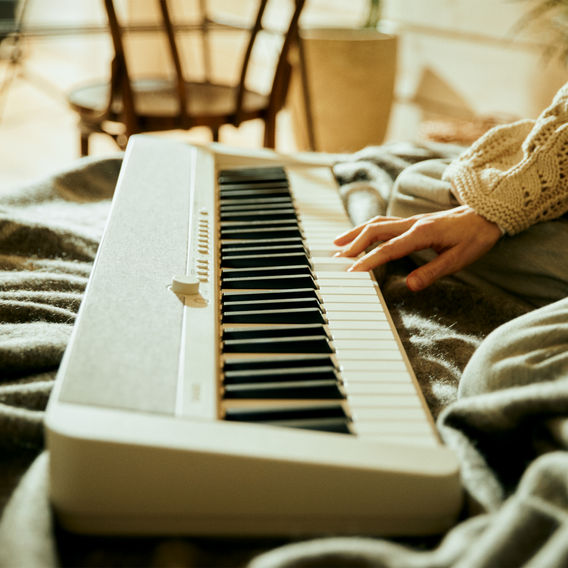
(349, 82)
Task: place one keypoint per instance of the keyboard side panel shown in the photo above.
(124, 350)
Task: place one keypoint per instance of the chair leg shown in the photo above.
(270, 131)
(85, 143)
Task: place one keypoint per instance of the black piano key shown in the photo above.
(254, 185)
(239, 250)
(270, 304)
(263, 414)
(272, 331)
(260, 173)
(262, 204)
(279, 374)
(259, 224)
(279, 282)
(325, 418)
(277, 363)
(244, 243)
(284, 294)
(299, 315)
(248, 192)
(334, 425)
(323, 390)
(248, 232)
(252, 176)
(269, 204)
(252, 260)
(259, 271)
(298, 344)
(255, 215)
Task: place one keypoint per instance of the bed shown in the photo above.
(516, 510)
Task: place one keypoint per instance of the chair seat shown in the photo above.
(158, 98)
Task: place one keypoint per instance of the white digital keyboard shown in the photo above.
(227, 376)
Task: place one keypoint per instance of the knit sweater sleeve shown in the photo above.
(516, 175)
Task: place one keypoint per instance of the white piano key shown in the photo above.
(352, 297)
(387, 344)
(354, 287)
(356, 388)
(317, 227)
(370, 364)
(359, 298)
(356, 334)
(397, 414)
(377, 324)
(332, 264)
(324, 249)
(388, 355)
(347, 295)
(314, 239)
(348, 278)
(314, 215)
(380, 323)
(349, 315)
(412, 440)
(313, 231)
(327, 283)
(372, 375)
(355, 308)
(358, 401)
(388, 427)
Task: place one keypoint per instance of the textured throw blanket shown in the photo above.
(517, 507)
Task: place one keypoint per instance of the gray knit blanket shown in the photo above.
(516, 513)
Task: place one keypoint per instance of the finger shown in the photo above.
(448, 262)
(348, 236)
(373, 232)
(393, 249)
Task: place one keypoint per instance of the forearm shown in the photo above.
(517, 175)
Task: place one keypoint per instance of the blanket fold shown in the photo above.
(511, 442)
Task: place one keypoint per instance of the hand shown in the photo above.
(460, 236)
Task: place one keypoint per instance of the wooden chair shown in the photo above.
(126, 105)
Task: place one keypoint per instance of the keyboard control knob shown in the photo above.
(185, 285)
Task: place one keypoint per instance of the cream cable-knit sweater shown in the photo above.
(516, 175)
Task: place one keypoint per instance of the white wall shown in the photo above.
(456, 57)
(461, 58)
(61, 32)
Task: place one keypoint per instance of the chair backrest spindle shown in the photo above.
(246, 60)
(120, 84)
(170, 101)
(205, 38)
(282, 71)
(182, 92)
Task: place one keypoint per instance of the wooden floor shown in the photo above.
(38, 133)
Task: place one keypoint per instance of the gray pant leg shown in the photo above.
(529, 349)
(531, 266)
(420, 189)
